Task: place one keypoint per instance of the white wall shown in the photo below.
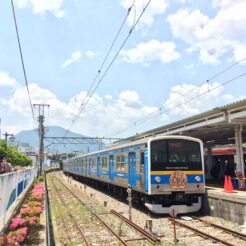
(12, 185)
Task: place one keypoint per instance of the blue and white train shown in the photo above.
(165, 172)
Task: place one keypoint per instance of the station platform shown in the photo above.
(229, 206)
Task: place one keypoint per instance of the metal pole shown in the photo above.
(41, 134)
(41, 142)
(129, 198)
(6, 136)
(174, 228)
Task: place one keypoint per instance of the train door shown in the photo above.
(142, 169)
(86, 166)
(132, 169)
(98, 167)
(111, 167)
(89, 171)
(82, 167)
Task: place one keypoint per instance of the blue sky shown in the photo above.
(176, 46)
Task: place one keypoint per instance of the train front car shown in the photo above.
(176, 174)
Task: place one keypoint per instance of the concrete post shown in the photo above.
(239, 148)
(129, 198)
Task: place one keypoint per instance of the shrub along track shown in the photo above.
(87, 225)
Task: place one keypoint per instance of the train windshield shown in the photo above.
(175, 154)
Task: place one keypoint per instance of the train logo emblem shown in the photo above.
(178, 180)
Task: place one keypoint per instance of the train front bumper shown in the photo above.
(179, 209)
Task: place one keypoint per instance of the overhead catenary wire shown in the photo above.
(89, 96)
(180, 104)
(100, 69)
(22, 61)
(152, 114)
(111, 46)
(102, 65)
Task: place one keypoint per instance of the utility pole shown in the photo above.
(6, 138)
(41, 135)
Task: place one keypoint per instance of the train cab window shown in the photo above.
(184, 151)
(174, 154)
(158, 154)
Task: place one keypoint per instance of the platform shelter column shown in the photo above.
(239, 148)
(209, 164)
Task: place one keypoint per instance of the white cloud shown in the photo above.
(156, 7)
(103, 116)
(90, 53)
(213, 37)
(43, 6)
(107, 114)
(146, 53)
(7, 81)
(180, 105)
(224, 3)
(75, 57)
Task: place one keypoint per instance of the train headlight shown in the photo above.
(158, 179)
(198, 179)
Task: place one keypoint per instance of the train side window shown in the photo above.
(93, 165)
(120, 164)
(142, 158)
(104, 163)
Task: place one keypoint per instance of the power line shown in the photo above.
(109, 66)
(180, 104)
(106, 57)
(22, 61)
(228, 68)
(151, 115)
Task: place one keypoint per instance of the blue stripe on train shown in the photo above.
(165, 179)
(121, 175)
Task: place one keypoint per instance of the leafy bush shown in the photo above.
(14, 157)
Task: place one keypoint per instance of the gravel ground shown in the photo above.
(162, 227)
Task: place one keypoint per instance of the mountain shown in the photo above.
(30, 138)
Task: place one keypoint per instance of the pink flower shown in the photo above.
(16, 237)
(24, 231)
(17, 222)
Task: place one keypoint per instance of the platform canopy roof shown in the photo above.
(215, 126)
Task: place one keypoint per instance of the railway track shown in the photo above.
(100, 218)
(218, 233)
(204, 232)
(234, 233)
(72, 217)
(90, 231)
(147, 235)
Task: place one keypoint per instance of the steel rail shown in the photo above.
(68, 209)
(146, 234)
(105, 224)
(201, 233)
(48, 240)
(234, 233)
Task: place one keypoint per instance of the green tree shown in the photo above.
(14, 157)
